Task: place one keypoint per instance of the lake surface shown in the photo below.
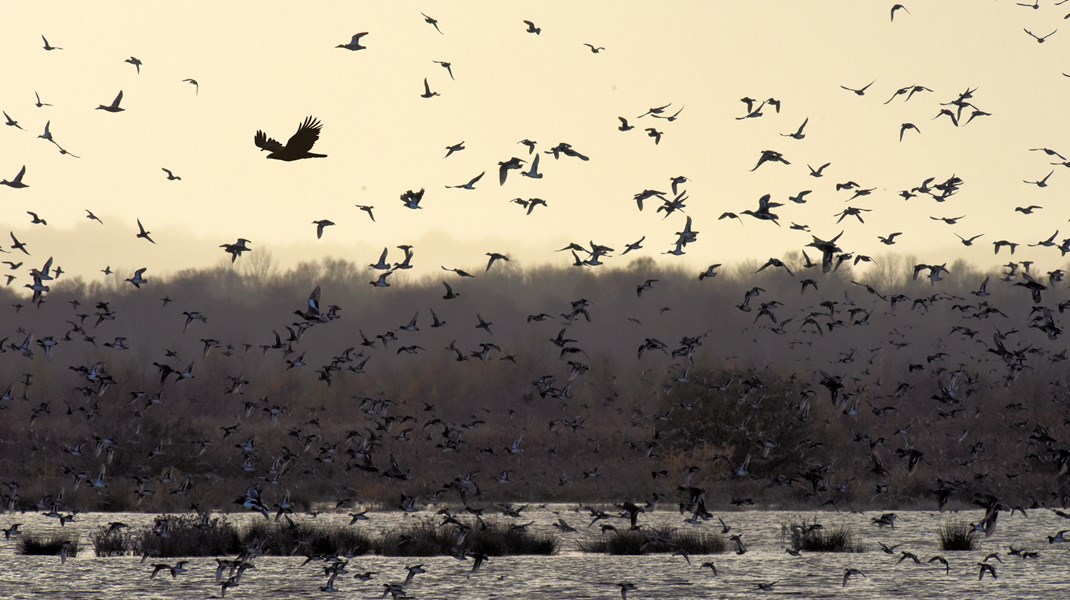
(574, 574)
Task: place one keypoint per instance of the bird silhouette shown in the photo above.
(297, 147)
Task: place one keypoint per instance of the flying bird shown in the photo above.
(136, 62)
(321, 225)
(49, 47)
(354, 43)
(861, 91)
(171, 176)
(594, 50)
(297, 147)
(142, 233)
(1040, 40)
(532, 28)
(114, 106)
(898, 7)
(196, 86)
(427, 91)
(11, 122)
(17, 181)
(446, 65)
(432, 22)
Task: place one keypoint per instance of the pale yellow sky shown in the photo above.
(266, 65)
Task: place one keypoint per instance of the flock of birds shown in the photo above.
(30, 349)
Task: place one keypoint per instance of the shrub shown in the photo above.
(957, 535)
(33, 545)
(632, 542)
(283, 540)
(815, 538)
(187, 536)
(107, 542)
(426, 538)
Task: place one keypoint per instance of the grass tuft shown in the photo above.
(33, 545)
(957, 535)
(812, 537)
(634, 542)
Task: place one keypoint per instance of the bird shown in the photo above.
(354, 42)
(446, 65)
(297, 147)
(991, 569)
(847, 573)
(114, 106)
(898, 7)
(11, 122)
(136, 62)
(798, 134)
(322, 224)
(17, 181)
(818, 172)
(196, 86)
(454, 148)
(142, 233)
(427, 91)
(40, 104)
(532, 28)
(1040, 183)
(17, 245)
(471, 185)
(367, 209)
(36, 219)
(49, 47)
(860, 91)
(504, 167)
(171, 176)
(594, 50)
(137, 280)
(906, 126)
(626, 587)
(432, 22)
(1040, 40)
(89, 215)
(943, 561)
(493, 257)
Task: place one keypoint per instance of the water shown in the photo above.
(574, 574)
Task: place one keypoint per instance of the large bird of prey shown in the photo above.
(298, 145)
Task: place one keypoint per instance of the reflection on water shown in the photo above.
(573, 574)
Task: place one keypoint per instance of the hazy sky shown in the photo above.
(263, 65)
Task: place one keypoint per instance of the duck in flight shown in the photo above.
(860, 91)
(49, 47)
(17, 181)
(114, 106)
(354, 43)
(297, 147)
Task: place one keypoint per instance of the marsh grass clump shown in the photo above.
(34, 545)
(812, 537)
(426, 538)
(287, 540)
(110, 542)
(187, 536)
(957, 535)
(501, 540)
(634, 542)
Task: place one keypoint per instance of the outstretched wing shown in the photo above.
(306, 136)
(263, 142)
